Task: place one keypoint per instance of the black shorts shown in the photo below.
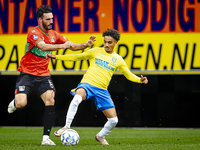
(27, 82)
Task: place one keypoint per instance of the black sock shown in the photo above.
(49, 117)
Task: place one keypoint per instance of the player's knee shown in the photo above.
(81, 92)
(20, 104)
(20, 101)
(76, 100)
(50, 101)
(113, 121)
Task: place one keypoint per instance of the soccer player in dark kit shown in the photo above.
(34, 72)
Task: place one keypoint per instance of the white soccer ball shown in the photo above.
(70, 138)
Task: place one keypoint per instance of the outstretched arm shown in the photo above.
(53, 47)
(50, 56)
(130, 76)
(73, 46)
(77, 46)
(71, 57)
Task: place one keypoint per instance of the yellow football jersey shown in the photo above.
(102, 66)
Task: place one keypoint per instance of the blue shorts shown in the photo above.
(101, 97)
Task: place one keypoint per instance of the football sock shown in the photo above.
(49, 117)
(110, 124)
(72, 109)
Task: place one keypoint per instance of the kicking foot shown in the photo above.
(48, 142)
(59, 132)
(11, 107)
(102, 140)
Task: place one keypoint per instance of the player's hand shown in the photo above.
(144, 79)
(91, 41)
(50, 56)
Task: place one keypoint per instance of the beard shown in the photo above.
(47, 27)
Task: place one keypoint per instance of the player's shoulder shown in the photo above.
(53, 32)
(34, 31)
(117, 55)
(56, 34)
(118, 58)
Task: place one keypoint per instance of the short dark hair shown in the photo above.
(113, 33)
(43, 9)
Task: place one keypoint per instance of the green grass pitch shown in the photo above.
(119, 139)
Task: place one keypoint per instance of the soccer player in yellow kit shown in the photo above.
(103, 63)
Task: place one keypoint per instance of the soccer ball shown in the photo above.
(70, 138)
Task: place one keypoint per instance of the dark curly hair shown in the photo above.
(113, 33)
(43, 9)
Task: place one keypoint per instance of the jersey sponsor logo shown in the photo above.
(21, 88)
(103, 64)
(35, 37)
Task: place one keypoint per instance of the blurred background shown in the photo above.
(159, 39)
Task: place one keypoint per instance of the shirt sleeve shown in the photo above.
(60, 39)
(75, 57)
(123, 68)
(34, 37)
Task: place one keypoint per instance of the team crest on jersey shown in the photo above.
(114, 60)
(35, 37)
(52, 39)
